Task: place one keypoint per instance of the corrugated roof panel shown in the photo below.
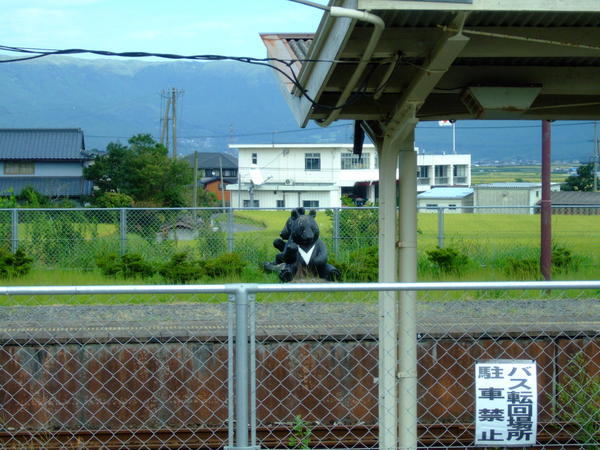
(300, 47)
(532, 19)
(575, 198)
(42, 144)
(429, 18)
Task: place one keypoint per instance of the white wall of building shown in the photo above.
(450, 205)
(523, 195)
(51, 169)
(289, 175)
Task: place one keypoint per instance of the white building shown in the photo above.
(318, 175)
(452, 199)
(522, 196)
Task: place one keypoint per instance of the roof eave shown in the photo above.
(330, 38)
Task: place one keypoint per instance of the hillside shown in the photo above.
(223, 102)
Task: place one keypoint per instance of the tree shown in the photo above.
(141, 170)
(583, 181)
(30, 198)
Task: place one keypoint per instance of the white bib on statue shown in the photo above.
(306, 255)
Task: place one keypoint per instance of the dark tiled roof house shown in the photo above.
(49, 160)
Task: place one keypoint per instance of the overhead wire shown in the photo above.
(265, 62)
(292, 76)
(347, 125)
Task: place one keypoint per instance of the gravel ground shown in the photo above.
(208, 320)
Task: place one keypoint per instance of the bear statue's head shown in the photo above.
(304, 228)
(286, 232)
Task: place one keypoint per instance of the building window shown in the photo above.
(423, 172)
(310, 203)
(254, 158)
(460, 171)
(352, 161)
(255, 204)
(451, 206)
(312, 161)
(281, 203)
(460, 174)
(18, 168)
(431, 206)
(441, 175)
(441, 171)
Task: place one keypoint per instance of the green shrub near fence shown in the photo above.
(74, 238)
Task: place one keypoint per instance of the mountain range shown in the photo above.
(227, 102)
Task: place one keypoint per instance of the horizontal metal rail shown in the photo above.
(297, 287)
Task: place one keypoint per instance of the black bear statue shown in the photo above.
(304, 254)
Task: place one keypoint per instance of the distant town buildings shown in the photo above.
(215, 172)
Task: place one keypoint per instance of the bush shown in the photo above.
(362, 265)
(521, 268)
(30, 198)
(14, 264)
(358, 228)
(129, 265)
(579, 400)
(226, 264)
(448, 260)
(53, 235)
(563, 260)
(181, 269)
(113, 200)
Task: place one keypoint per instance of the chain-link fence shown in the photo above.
(76, 238)
(293, 366)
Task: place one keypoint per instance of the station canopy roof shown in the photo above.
(445, 60)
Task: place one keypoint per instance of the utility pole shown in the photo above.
(174, 122)
(195, 186)
(546, 210)
(164, 131)
(222, 183)
(170, 115)
(596, 155)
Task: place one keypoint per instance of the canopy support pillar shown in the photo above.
(388, 301)
(397, 262)
(407, 317)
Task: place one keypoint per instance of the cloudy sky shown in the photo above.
(224, 27)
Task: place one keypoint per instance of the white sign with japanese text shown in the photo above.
(505, 403)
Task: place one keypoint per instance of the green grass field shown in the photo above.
(505, 174)
(487, 239)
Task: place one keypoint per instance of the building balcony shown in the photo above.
(442, 180)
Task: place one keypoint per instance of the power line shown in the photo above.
(37, 53)
(234, 135)
(302, 130)
(42, 53)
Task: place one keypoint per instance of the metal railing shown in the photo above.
(276, 366)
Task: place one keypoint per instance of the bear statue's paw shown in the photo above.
(334, 275)
(286, 275)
